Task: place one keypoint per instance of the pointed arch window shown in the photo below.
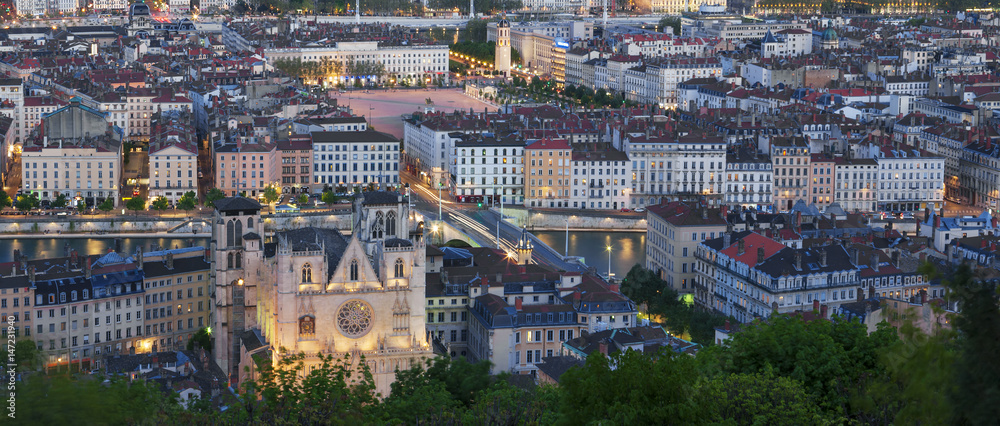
(390, 224)
(230, 234)
(378, 226)
(399, 268)
(239, 233)
(249, 223)
(354, 270)
(238, 257)
(307, 273)
(229, 260)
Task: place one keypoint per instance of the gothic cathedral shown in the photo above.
(317, 291)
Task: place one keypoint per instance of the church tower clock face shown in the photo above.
(354, 319)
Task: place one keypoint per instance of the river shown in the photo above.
(43, 248)
(627, 248)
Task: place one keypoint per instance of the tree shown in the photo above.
(271, 194)
(81, 207)
(60, 201)
(328, 197)
(761, 398)
(187, 201)
(330, 390)
(828, 357)
(136, 204)
(201, 339)
(631, 388)
(26, 355)
(303, 199)
(975, 394)
(214, 195)
(27, 202)
(671, 25)
(5, 200)
(107, 204)
(160, 203)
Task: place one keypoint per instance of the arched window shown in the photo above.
(390, 223)
(238, 257)
(72, 295)
(377, 226)
(399, 268)
(354, 270)
(307, 273)
(229, 260)
(249, 223)
(239, 233)
(230, 234)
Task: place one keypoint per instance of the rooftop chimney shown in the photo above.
(727, 326)
(822, 311)
(875, 262)
(798, 260)
(822, 257)
(170, 260)
(603, 347)
(741, 247)
(518, 303)
(815, 305)
(760, 255)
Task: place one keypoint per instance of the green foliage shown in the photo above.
(201, 339)
(644, 286)
(271, 194)
(328, 197)
(976, 391)
(630, 388)
(214, 195)
(71, 401)
(187, 201)
(82, 207)
(484, 51)
(160, 203)
(26, 356)
(670, 25)
(456, 243)
(302, 199)
(107, 205)
(59, 202)
(5, 200)
(136, 204)
(761, 398)
(328, 390)
(503, 404)
(434, 393)
(27, 202)
(828, 357)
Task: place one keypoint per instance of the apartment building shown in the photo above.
(683, 169)
(488, 169)
(246, 167)
(656, 80)
(749, 179)
(980, 173)
(673, 232)
(822, 180)
(856, 184)
(347, 159)
(791, 171)
(296, 164)
(749, 276)
(34, 109)
(173, 156)
(547, 173)
(600, 177)
(909, 179)
(16, 296)
(77, 153)
(77, 297)
(177, 298)
(430, 140)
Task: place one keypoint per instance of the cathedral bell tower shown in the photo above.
(237, 256)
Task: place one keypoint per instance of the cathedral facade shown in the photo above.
(360, 296)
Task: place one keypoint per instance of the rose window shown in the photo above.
(354, 318)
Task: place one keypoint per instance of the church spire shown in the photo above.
(524, 248)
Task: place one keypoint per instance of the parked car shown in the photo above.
(639, 210)
(625, 210)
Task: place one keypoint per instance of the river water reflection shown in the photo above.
(627, 248)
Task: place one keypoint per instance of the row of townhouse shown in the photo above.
(482, 306)
(78, 308)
